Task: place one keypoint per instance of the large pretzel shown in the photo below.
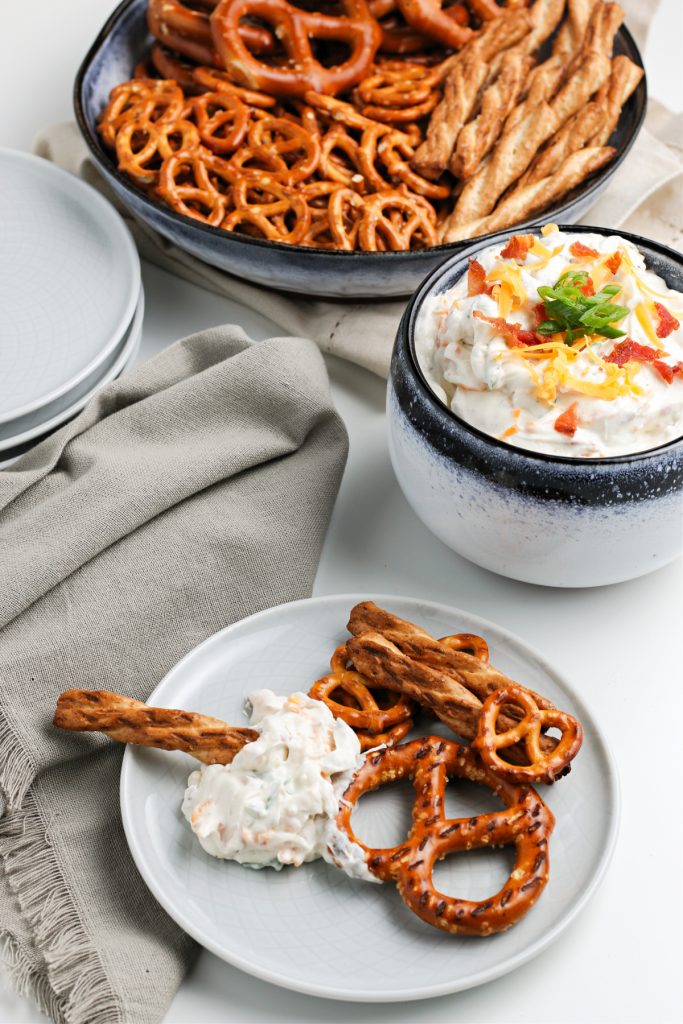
(377, 724)
(525, 822)
(295, 28)
(544, 765)
(188, 32)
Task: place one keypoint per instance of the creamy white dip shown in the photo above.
(277, 802)
(516, 394)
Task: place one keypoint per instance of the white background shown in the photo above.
(621, 646)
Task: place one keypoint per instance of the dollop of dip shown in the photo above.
(277, 802)
(566, 345)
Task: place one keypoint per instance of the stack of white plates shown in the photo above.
(71, 300)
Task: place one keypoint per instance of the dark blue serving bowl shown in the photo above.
(119, 46)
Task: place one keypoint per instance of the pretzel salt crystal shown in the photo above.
(525, 823)
(295, 28)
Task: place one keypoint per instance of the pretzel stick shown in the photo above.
(542, 84)
(623, 80)
(509, 159)
(545, 15)
(463, 75)
(591, 126)
(130, 721)
(573, 29)
(478, 137)
(381, 660)
(476, 675)
(525, 201)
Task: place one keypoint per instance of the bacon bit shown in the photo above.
(514, 334)
(518, 247)
(568, 421)
(579, 250)
(629, 349)
(668, 372)
(539, 313)
(588, 288)
(613, 263)
(476, 279)
(667, 321)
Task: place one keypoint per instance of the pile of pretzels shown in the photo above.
(380, 678)
(367, 125)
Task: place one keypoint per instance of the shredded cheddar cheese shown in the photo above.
(645, 322)
(508, 291)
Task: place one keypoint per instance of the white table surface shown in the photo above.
(621, 960)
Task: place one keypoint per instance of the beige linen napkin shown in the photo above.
(645, 195)
(193, 491)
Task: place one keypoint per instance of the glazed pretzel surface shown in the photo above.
(525, 822)
(130, 721)
(544, 765)
(294, 29)
(350, 696)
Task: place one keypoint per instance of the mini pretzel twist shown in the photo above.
(276, 211)
(140, 99)
(395, 220)
(142, 146)
(525, 823)
(184, 184)
(544, 765)
(344, 687)
(295, 29)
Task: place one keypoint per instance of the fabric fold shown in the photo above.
(190, 493)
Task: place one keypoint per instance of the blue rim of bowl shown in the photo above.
(553, 214)
(407, 327)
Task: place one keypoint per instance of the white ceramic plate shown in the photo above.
(35, 425)
(312, 929)
(69, 282)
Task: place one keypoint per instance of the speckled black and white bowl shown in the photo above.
(543, 519)
(347, 275)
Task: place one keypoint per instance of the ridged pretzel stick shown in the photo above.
(130, 721)
(463, 76)
(623, 80)
(573, 29)
(509, 159)
(479, 135)
(591, 126)
(474, 674)
(526, 200)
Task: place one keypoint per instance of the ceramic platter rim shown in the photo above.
(129, 344)
(119, 239)
(165, 891)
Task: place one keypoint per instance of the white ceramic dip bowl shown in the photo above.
(543, 518)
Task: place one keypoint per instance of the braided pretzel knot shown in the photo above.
(375, 725)
(428, 18)
(544, 766)
(525, 822)
(295, 28)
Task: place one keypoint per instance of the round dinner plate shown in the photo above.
(69, 282)
(312, 929)
(37, 424)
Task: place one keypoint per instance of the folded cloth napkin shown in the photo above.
(364, 332)
(190, 493)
